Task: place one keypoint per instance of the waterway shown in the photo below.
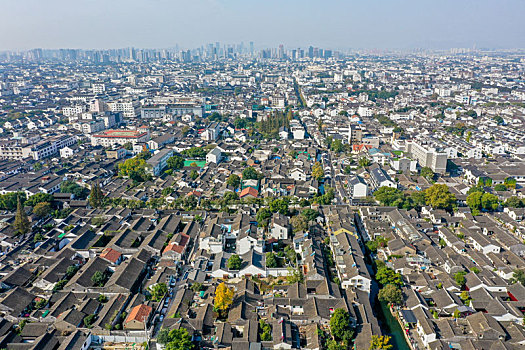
(391, 327)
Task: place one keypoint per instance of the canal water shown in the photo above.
(391, 327)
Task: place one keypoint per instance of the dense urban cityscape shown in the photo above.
(248, 198)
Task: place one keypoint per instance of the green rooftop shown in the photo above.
(200, 163)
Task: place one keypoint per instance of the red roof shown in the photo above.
(178, 244)
(139, 313)
(249, 191)
(110, 254)
(174, 247)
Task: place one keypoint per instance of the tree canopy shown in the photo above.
(391, 294)
(234, 262)
(134, 168)
(317, 171)
(175, 162)
(251, 174)
(439, 197)
(223, 297)
(341, 325)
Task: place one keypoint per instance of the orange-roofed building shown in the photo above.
(111, 255)
(137, 317)
(249, 191)
(177, 247)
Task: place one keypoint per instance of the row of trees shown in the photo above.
(438, 196)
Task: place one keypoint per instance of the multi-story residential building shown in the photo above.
(127, 108)
(355, 134)
(428, 156)
(49, 147)
(89, 126)
(158, 162)
(73, 110)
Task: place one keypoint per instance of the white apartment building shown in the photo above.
(428, 156)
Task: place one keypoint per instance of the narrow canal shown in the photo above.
(391, 327)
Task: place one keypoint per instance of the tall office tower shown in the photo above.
(251, 48)
(311, 52)
(281, 51)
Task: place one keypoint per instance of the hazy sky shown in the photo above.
(28, 24)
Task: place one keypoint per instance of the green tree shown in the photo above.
(514, 202)
(251, 174)
(386, 275)
(195, 152)
(439, 197)
(39, 198)
(510, 182)
(317, 171)
(518, 276)
(469, 136)
(337, 146)
(194, 174)
(175, 162)
(341, 326)
(179, 339)
(21, 224)
(96, 196)
(263, 215)
(196, 287)
(158, 291)
(391, 294)
(41, 210)
(9, 201)
(474, 200)
(233, 181)
(363, 162)
(72, 187)
(500, 187)
(299, 223)
(265, 330)
(456, 314)
(310, 214)
(89, 320)
(38, 237)
(489, 202)
(389, 196)
(280, 205)
(498, 120)
(271, 260)
(98, 279)
(290, 254)
(427, 173)
(234, 262)
(460, 279)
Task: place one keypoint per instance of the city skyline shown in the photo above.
(334, 24)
